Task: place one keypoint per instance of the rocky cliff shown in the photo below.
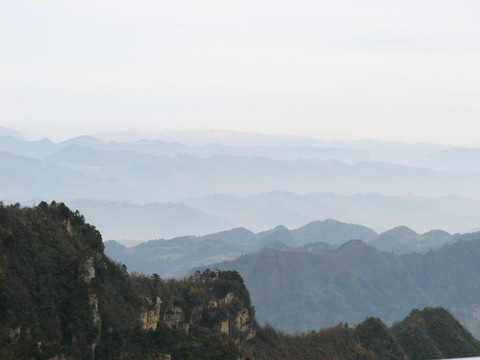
(61, 296)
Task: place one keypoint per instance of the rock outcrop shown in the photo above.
(230, 314)
(88, 271)
(150, 315)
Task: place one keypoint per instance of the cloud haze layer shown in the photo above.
(401, 70)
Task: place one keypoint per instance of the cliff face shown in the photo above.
(61, 296)
(49, 295)
(204, 305)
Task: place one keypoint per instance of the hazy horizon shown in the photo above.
(402, 71)
(216, 135)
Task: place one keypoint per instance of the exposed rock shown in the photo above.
(242, 323)
(69, 227)
(88, 272)
(150, 316)
(97, 321)
(224, 327)
(93, 302)
(227, 300)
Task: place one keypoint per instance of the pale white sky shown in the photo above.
(347, 69)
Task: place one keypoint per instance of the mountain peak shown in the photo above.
(400, 231)
(354, 244)
(332, 231)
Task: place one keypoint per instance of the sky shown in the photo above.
(347, 69)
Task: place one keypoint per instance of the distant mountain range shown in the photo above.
(188, 175)
(218, 181)
(175, 257)
(124, 220)
(205, 144)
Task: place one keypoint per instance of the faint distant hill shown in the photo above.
(403, 240)
(123, 220)
(13, 142)
(332, 231)
(265, 211)
(184, 175)
(452, 213)
(36, 149)
(86, 156)
(391, 151)
(171, 258)
(4, 131)
(299, 290)
(279, 234)
(454, 159)
(23, 177)
(235, 236)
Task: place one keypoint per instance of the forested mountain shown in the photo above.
(62, 298)
(298, 290)
(421, 335)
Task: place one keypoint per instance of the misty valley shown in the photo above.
(298, 249)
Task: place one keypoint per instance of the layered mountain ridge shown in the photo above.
(217, 186)
(177, 258)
